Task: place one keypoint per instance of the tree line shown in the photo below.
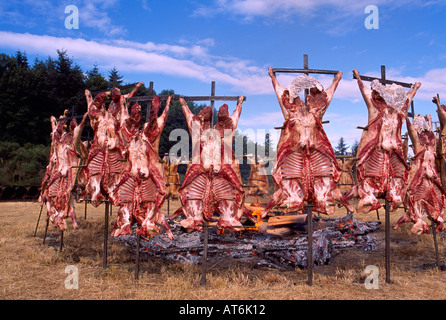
(30, 93)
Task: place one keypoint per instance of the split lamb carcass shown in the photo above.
(172, 177)
(441, 141)
(60, 202)
(141, 190)
(211, 183)
(306, 168)
(57, 130)
(425, 193)
(382, 170)
(257, 177)
(346, 181)
(103, 165)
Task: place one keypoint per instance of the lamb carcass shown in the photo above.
(382, 170)
(211, 183)
(346, 181)
(306, 168)
(257, 177)
(141, 190)
(172, 177)
(441, 141)
(62, 178)
(425, 193)
(103, 165)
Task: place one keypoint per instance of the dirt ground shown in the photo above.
(31, 270)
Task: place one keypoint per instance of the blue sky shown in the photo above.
(184, 45)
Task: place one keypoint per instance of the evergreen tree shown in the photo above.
(94, 80)
(341, 148)
(114, 78)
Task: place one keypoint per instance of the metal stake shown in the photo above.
(107, 212)
(309, 212)
(138, 244)
(38, 219)
(387, 250)
(434, 235)
(61, 241)
(46, 229)
(205, 252)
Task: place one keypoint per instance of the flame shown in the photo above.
(257, 214)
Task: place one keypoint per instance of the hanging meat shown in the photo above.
(57, 130)
(425, 193)
(62, 176)
(257, 177)
(103, 165)
(441, 141)
(141, 190)
(211, 183)
(382, 170)
(306, 168)
(346, 181)
(172, 177)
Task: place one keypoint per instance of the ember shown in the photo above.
(260, 248)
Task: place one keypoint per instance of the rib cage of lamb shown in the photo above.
(382, 170)
(306, 169)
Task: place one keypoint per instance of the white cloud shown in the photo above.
(195, 62)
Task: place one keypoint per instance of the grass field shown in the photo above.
(31, 270)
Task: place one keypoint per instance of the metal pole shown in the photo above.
(212, 102)
(38, 219)
(309, 212)
(46, 229)
(205, 252)
(107, 212)
(387, 251)
(434, 235)
(307, 92)
(61, 240)
(138, 244)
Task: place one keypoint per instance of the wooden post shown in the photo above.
(212, 102)
(149, 102)
(387, 250)
(205, 253)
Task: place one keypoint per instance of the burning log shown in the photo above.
(272, 247)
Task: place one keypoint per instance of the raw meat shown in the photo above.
(65, 160)
(441, 143)
(346, 181)
(257, 177)
(425, 194)
(103, 165)
(211, 183)
(306, 168)
(382, 170)
(172, 177)
(141, 190)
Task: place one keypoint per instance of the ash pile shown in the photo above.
(280, 246)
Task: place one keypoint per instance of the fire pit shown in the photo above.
(259, 247)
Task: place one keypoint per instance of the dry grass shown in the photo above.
(30, 269)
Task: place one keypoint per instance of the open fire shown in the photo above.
(259, 245)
